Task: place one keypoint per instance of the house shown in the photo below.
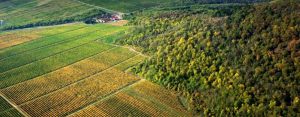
(105, 18)
(116, 17)
(99, 20)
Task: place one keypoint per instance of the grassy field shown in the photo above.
(128, 5)
(64, 70)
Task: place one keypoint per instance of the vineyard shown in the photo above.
(29, 13)
(7, 110)
(67, 70)
(128, 5)
(133, 101)
(144, 58)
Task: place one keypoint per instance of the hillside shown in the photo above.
(29, 13)
(225, 59)
(170, 58)
(128, 5)
(76, 70)
(18, 14)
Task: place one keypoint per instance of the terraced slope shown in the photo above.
(70, 69)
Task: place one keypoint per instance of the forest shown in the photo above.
(225, 59)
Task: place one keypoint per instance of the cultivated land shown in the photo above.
(24, 12)
(128, 5)
(7, 109)
(75, 70)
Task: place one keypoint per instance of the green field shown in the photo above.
(66, 69)
(7, 110)
(128, 5)
(27, 13)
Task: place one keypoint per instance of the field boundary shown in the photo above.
(74, 83)
(14, 105)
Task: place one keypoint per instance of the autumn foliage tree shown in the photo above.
(226, 59)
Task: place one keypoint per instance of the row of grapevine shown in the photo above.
(55, 80)
(48, 51)
(55, 9)
(80, 94)
(46, 39)
(133, 102)
(50, 64)
(6, 110)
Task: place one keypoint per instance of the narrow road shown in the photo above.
(129, 48)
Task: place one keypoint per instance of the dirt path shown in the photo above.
(129, 48)
(119, 23)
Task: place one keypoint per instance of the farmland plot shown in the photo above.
(11, 113)
(59, 38)
(15, 5)
(6, 110)
(79, 72)
(128, 5)
(37, 54)
(4, 105)
(39, 10)
(134, 102)
(79, 94)
(130, 62)
(150, 91)
(60, 78)
(49, 64)
(13, 38)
